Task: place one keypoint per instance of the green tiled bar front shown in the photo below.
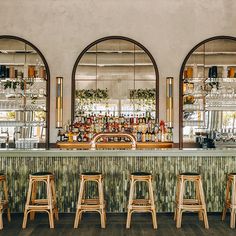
(116, 167)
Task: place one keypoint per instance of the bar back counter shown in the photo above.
(116, 165)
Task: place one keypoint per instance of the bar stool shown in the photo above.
(92, 204)
(4, 202)
(48, 205)
(190, 205)
(230, 202)
(141, 205)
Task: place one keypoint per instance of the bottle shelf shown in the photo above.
(28, 79)
(210, 65)
(198, 123)
(221, 108)
(209, 80)
(22, 124)
(214, 53)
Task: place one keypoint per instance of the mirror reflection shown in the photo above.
(23, 83)
(209, 94)
(115, 78)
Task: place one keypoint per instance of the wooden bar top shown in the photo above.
(116, 145)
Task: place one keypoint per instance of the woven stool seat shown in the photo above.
(91, 173)
(141, 173)
(42, 173)
(189, 173)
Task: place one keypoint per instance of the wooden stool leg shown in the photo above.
(51, 219)
(1, 221)
(154, 218)
(101, 203)
(226, 198)
(27, 204)
(200, 213)
(77, 215)
(131, 194)
(178, 218)
(6, 198)
(33, 197)
(233, 202)
(50, 203)
(54, 199)
(176, 198)
(232, 219)
(180, 203)
(203, 203)
(102, 215)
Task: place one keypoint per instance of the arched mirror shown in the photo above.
(24, 94)
(115, 76)
(208, 94)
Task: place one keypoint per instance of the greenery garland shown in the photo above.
(86, 98)
(11, 84)
(143, 94)
(96, 95)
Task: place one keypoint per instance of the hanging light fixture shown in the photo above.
(59, 102)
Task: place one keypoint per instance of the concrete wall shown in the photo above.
(168, 29)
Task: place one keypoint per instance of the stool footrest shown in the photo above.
(189, 202)
(191, 207)
(141, 202)
(144, 208)
(89, 207)
(90, 201)
(35, 207)
(40, 201)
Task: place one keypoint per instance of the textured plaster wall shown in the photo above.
(167, 28)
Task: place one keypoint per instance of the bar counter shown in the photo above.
(116, 165)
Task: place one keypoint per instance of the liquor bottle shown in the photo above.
(149, 136)
(85, 139)
(143, 137)
(62, 136)
(75, 137)
(132, 120)
(146, 136)
(139, 136)
(79, 137)
(70, 136)
(59, 136)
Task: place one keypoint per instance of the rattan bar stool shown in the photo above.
(190, 205)
(4, 202)
(91, 204)
(48, 205)
(141, 205)
(230, 201)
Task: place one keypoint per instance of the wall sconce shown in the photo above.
(59, 102)
(169, 101)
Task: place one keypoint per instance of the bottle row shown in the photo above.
(144, 129)
(27, 71)
(213, 72)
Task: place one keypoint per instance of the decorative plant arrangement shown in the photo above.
(88, 97)
(14, 84)
(143, 97)
(10, 84)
